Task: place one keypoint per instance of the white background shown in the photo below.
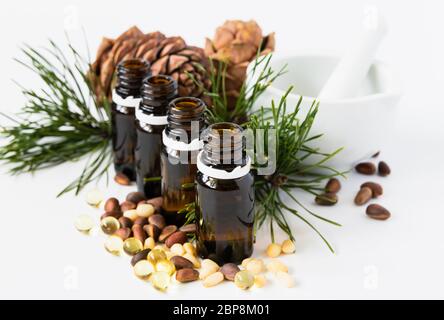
(42, 254)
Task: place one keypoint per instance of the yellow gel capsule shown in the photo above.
(156, 255)
(132, 246)
(160, 280)
(109, 225)
(94, 197)
(114, 245)
(166, 266)
(143, 269)
(84, 223)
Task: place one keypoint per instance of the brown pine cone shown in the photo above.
(237, 43)
(167, 55)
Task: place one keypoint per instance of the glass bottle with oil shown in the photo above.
(126, 98)
(181, 144)
(225, 195)
(151, 119)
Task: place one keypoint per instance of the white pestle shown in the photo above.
(348, 75)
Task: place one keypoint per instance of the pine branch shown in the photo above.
(58, 123)
(292, 169)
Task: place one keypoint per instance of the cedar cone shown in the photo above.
(236, 43)
(167, 55)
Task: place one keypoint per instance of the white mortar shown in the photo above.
(362, 124)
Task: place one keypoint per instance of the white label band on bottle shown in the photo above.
(150, 119)
(194, 145)
(129, 102)
(238, 172)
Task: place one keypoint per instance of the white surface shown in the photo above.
(377, 102)
(42, 252)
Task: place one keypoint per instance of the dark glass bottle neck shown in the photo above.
(157, 92)
(224, 146)
(130, 74)
(182, 112)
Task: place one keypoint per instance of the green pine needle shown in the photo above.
(61, 122)
(293, 169)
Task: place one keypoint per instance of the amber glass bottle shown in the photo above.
(151, 118)
(181, 144)
(126, 98)
(225, 196)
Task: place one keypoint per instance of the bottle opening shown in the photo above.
(224, 144)
(160, 80)
(186, 103)
(134, 64)
(157, 92)
(186, 108)
(224, 130)
(130, 74)
(185, 118)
